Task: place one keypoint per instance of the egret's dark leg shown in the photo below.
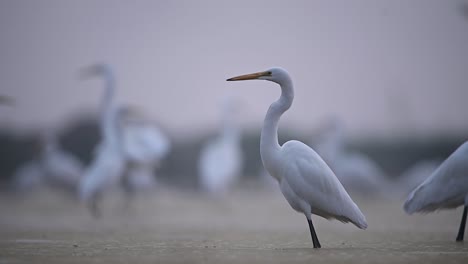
(129, 192)
(461, 231)
(315, 240)
(93, 206)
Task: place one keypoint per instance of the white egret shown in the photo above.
(50, 166)
(144, 147)
(144, 143)
(128, 143)
(356, 171)
(305, 180)
(108, 165)
(61, 169)
(445, 188)
(329, 140)
(220, 162)
(415, 175)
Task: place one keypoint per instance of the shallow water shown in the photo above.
(245, 227)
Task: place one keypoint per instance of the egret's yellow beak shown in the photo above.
(251, 76)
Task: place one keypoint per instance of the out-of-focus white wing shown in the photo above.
(311, 180)
(145, 143)
(415, 175)
(62, 168)
(447, 187)
(219, 165)
(359, 173)
(106, 169)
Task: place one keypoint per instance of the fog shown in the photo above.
(386, 67)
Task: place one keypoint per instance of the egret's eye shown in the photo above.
(269, 73)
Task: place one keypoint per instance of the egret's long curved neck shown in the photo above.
(109, 127)
(107, 99)
(269, 144)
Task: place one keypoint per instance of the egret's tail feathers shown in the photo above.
(357, 218)
(421, 199)
(362, 224)
(410, 205)
(360, 221)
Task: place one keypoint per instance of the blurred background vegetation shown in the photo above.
(81, 136)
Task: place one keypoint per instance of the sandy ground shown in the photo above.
(248, 226)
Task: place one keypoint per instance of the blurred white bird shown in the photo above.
(144, 146)
(28, 176)
(220, 162)
(128, 143)
(51, 166)
(61, 169)
(415, 175)
(445, 188)
(306, 181)
(108, 165)
(356, 171)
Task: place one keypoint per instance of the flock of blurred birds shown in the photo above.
(132, 148)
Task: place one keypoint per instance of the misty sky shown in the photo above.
(385, 67)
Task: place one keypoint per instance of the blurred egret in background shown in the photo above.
(128, 142)
(356, 171)
(145, 145)
(108, 165)
(446, 188)
(415, 175)
(221, 161)
(62, 170)
(306, 181)
(51, 166)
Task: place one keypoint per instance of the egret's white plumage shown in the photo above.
(143, 142)
(106, 169)
(446, 188)
(220, 162)
(61, 168)
(52, 166)
(108, 165)
(145, 145)
(306, 181)
(415, 175)
(128, 143)
(356, 171)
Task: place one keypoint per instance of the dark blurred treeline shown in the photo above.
(180, 167)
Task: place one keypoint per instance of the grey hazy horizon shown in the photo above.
(385, 67)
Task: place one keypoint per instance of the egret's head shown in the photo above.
(277, 75)
(98, 69)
